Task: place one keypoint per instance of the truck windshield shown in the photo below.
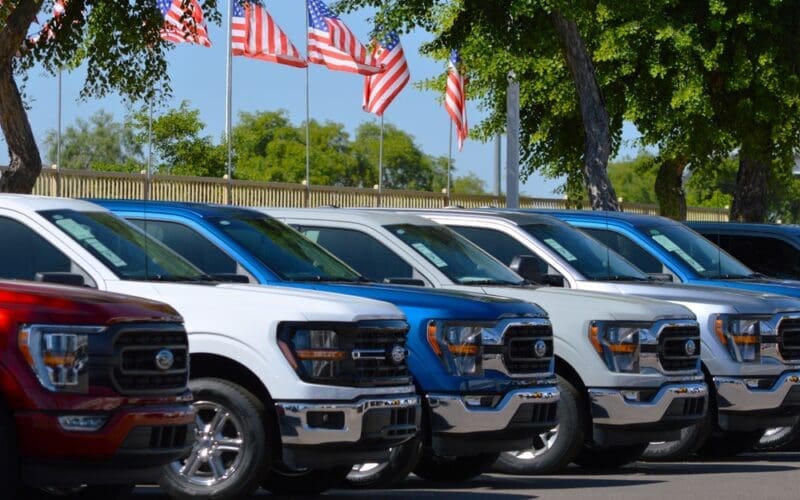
(125, 250)
(696, 252)
(286, 252)
(586, 255)
(455, 256)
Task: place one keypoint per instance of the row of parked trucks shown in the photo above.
(333, 346)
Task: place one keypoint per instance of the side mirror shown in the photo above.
(661, 277)
(404, 281)
(526, 266)
(554, 280)
(230, 277)
(69, 279)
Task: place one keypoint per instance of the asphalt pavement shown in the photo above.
(751, 477)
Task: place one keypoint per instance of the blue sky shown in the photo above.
(198, 75)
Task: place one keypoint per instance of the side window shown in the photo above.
(360, 251)
(627, 248)
(190, 244)
(770, 256)
(498, 244)
(23, 253)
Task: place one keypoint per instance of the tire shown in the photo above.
(284, 481)
(726, 444)
(692, 438)
(445, 468)
(556, 449)
(402, 460)
(611, 457)
(243, 422)
(779, 438)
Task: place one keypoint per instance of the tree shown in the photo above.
(178, 145)
(99, 143)
(566, 126)
(117, 41)
(469, 184)
(633, 179)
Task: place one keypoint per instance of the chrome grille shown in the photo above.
(372, 355)
(672, 348)
(137, 348)
(789, 339)
(520, 348)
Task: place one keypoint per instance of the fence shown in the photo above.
(92, 184)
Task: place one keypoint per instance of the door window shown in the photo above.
(627, 248)
(23, 253)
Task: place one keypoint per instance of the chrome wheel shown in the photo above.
(541, 445)
(218, 446)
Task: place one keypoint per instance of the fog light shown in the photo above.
(631, 395)
(82, 423)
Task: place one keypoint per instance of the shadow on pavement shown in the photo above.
(504, 482)
(666, 469)
(402, 491)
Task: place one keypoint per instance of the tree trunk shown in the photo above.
(25, 164)
(593, 112)
(669, 189)
(750, 194)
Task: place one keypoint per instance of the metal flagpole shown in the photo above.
(308, 123)
(58, 139)
(380, 159)
(449, 158)
(228, 101)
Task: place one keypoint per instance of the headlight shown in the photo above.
(315, 354)
(618, 344)
(742, 336)
(58, 355)
(458, 346)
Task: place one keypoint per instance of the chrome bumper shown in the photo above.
(734, 395)
(609, 406)
(459, 415)
(294, 423)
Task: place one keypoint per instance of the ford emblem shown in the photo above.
(540, 348)
(690, 348)
(398, 354)
(164, 359)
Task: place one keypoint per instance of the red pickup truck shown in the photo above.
(93, 395)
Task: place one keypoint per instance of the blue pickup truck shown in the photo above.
(484, 365)
(770, 249)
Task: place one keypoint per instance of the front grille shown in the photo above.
(520, 348)
(378, 342)
(532, 413)
(673, 348)
(686, 407)
(138, 348)
(789, 339)
(162, 437)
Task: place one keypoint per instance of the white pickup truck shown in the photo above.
(275, 372)
(620, 388)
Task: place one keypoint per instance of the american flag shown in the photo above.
(183, 23)
(455, 101)
(382, 88)
(255, 34)
(330, 42)
(59, 9)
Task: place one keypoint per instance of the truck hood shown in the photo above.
(236, 301)
(595, 305)
(760, 285)
(727, 299)
(439, 303)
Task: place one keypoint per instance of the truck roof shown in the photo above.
(635, 220)
(350, 215)
(27, 203)
(201, 210)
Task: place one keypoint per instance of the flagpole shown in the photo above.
(149, 172)
(308, 121)
(449, 158)
(58, 139)
(380, 160)
(228, 102)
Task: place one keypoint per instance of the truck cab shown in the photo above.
(483, 364)
(93, 397)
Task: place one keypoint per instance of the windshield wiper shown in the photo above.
(732, 276)
(487, 281)
(179, 279)
(328, 279)
(622, 277)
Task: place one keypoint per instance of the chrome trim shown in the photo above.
(742, 398)
(771, 349)
(496, 336)
(378, 354)
(650, 359)
(455, 415)
(293, 419)
(620, 411)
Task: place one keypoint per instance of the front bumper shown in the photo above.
(745, 408)
(466, 425)
(132, 446)
(617, 419)
(325, 434)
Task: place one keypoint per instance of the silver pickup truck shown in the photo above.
(628, 367)
(755, 383)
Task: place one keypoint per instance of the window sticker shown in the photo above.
(670, 246)
(560, 249)
(85, 236)
(312, 235)
(429, 254)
